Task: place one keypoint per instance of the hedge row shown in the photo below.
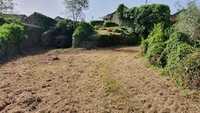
(175, 55)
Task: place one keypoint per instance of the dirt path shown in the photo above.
(90, 81)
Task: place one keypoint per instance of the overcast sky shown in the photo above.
(98, 8)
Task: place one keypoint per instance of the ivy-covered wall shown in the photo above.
(142, 19)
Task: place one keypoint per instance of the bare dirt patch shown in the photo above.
(114, 80)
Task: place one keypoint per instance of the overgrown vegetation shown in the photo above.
(110, 24)
(175, 49)
(142, 19)
(66, 26)
(97, 23)
(11, 36)
(83, 35)
(189, 23)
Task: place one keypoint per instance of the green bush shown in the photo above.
(154, 53)
(83, 33)
(97, 23)
(107, 40)
(142, 19)
(110, 24)
(172, 44)
(155, 38)
(191, 70)
(131, 39)
(9, 20)
(176, 56)
(157, 35)
(11, 35)
(66, 26)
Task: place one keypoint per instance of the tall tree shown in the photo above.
(76, 7)
(6, 5)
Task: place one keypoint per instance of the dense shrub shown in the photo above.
(157, 35)
(115, 36)
(176, 56)
(172, 44)
(154, 52)
(2, 21)
(154, 45)
(131, 39)
(111, 39)
(110, 24)
(142, 19)
(9, 20)
(11, 35)
(97, 23)
(66, 26)
(83, 33)
(191, 70)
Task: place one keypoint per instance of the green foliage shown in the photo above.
(111, 39)
(154, 53)
(66, 26)
(172, 44)
(83, 33)
(176, 56)
(189, 23)
(157, 35)
(121, 10)
(11, 35)
(9, 19)
(115, 36)
(191, 70)
(97, 23)
(110, 24)
(154, 45)
(142, 19)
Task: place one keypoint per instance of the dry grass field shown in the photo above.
(113, 80)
